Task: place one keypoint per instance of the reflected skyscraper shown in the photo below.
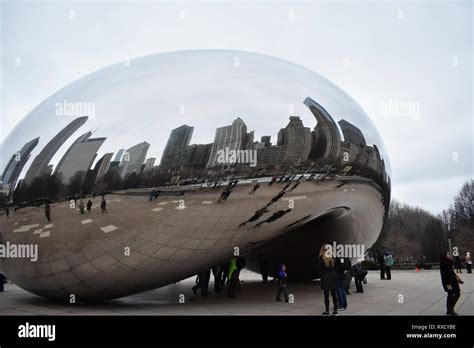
(133, 159)
(296, 139)
(233, 137)
(351, 133)
(17, 162)
(326, 134)
(149, 163)
(178, 141)
(79, 157)
(102, 166)
(39, 166)
(119, 155)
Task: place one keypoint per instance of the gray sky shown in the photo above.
(390, 53)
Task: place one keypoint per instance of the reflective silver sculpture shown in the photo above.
(151, 170)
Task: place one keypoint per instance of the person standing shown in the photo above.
(359, 275)
(202, 283)
(341, 293)
(3, 280)
(282, 281)
(255, 188)
(347, 276)
(381, 261)
(468, 262)
(89, 206)
(458, 264)
(328, 277)
(103, 205)
(233, 279)
(263, 264)
(450, 282)
(216, 272)
(7, 212)
(81, 206)
(47, 211)
(388, 261)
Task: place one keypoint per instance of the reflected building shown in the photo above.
(79, 157)
(15, 165)
(102, 166)
(296, 139)
(176, 147)
(351, 133)
(149, 163)
(39, 166)
(119, 155)
(133, 159)
(326, 139)
(233, 137)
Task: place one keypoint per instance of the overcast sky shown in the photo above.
(384, 55)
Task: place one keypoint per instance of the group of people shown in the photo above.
(226, 274)
(458, 261)
(336, 275)
(82, 207)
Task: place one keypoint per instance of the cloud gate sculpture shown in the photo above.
(151, 170)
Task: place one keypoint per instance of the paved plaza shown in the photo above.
(422, 295)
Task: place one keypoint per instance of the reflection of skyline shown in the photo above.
(321, 149)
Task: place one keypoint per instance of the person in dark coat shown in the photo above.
(3, 280)
(328, 277)
(255, 188)
(347, 276)
(282, 281)
(89, 206)
(216, 271)
(450, 282)
(263, 264)
(339, 265)
(103, 205)
(381, 261)
(202, 282)
(359, 276)
(47, 211)
(458, 264)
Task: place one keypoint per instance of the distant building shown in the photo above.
(39, 166)
(273, 155)
(296, 139)
(349, 152)
(133, 159)
(351, 133)
(326, 139)
(176, 147)
(15, 165)
(233, 137)
(102, 166)
(149, 163)
(79, 157)
(266, 140)
(119, 155)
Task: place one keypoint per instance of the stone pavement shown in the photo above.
(422, 295)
